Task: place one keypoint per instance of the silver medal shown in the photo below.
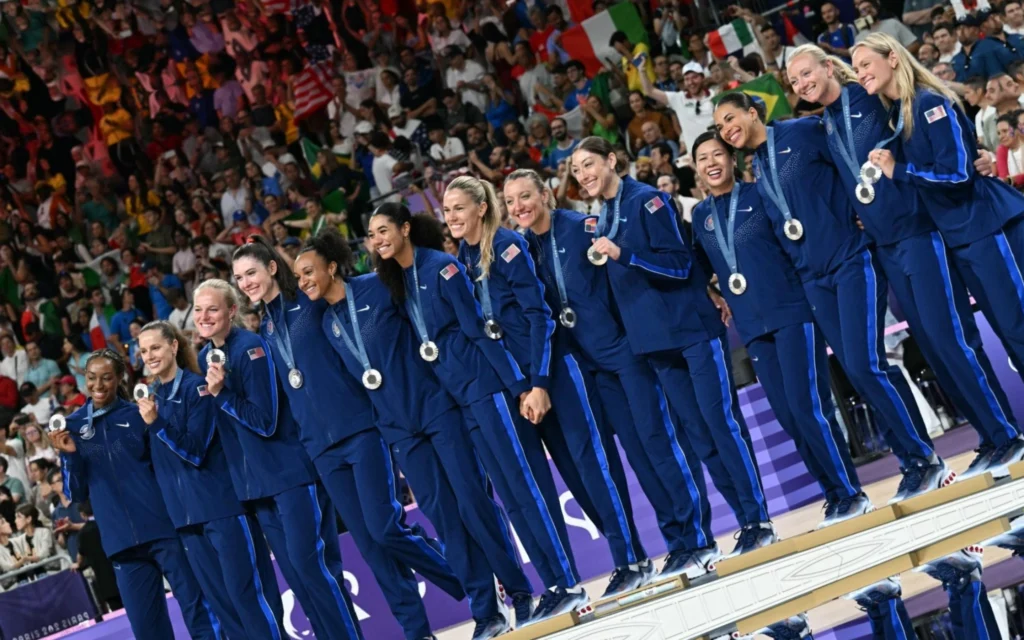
(865, 193)
(794, 229)
(86, 432)
(58, 422)
(737, 284)
(141, 391)
(295, 378)
(428, 351)
(568, 318)
(870, 172)
(372, 379)
(216, 356)
(492, 329)
(596, 257)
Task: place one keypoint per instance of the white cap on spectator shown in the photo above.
(288, 159)
(343, 148)
(693, 67)
(394, 111)
(364, 127)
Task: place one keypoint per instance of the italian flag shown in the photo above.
(735, 38)
(96, 332)
(588, 41)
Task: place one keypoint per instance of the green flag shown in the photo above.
(309, 151)
(769, 91)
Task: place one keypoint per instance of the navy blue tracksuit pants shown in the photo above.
(515, 461)
(938, 310)
(849, 307)
(792, 366)
(140, 573)
(890, 621)
(299, 525)
(591, 449)
(970, 615)
(698, 383)
(451, 490)
(230, 558)
(554, 442)
(358, 474)
(991, 267)
(665, 465)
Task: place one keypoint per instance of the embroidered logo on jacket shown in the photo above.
(510, 253)
(654, 204)
(449, 271)
(255, 353)
(936, 114)
(709, 223)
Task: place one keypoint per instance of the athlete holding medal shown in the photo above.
(484, 378)
(422, 425)
(910, 250)
(575, 434)
(840, 275)
(348, 453)
(733, 233)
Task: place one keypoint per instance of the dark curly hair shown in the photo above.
(425, 231)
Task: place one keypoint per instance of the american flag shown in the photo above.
(203, 391)
(312, 89)
(449, 271)
(283, 6)
(256, 354)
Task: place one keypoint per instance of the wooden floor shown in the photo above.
(790, 524)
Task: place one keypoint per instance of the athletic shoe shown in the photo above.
(490, 628)
(522, 604)
(789, 629)
(956, 568)
(692, 564)
(754, 536)
(1006, 454)
(845, 509)
(980, 463)
(556, 601)
(1012, 540)
(877, 593)
(627, 578)
(920, 477)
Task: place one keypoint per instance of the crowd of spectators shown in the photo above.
(142, 141)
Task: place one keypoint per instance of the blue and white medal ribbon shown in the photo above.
(727, 240)
(603, 228)
(567, 317)
(284, 344)
(428, 350)
(491, 327)
(793, 228)
(372, 378)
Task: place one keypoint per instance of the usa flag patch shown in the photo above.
(936, 114)
(510, 253)
(590, 225)
(449, 271)
(203, 391)
(256, 354)
(654, 204)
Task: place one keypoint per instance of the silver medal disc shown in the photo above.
(372, 379)
(870, 172)
(58, 422)
(493, 330)
(428, 351)
(141, 391)
(596, 257)
(865, 193)
(568, 318)
(737, 284)
(216, 356)
(295, 378)
(794, 229)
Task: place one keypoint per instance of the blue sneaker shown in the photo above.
(845, 509)
(921, 476)
(558, 600)
(692, 564)
(877, 593)
(1005, 455)
(956, 568)
(980, 463)
(789, 629)
(490, 628)
(754, 536)
(1012, 540)
(627, 578)
(522, 604)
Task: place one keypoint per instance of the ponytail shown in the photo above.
(259, 248)
(117, 361)
(227, 292)
(185, 358)
(329, 245)
(425, 231)
(482, 193)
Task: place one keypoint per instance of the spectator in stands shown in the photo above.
(533, 74)
(978, 57)
(38, 538)
(457, 116)
(945, 39)
(642, 114)
(160, 284)
(1010, 153)
(384, 165)
(868, 10)
(90, 555)
(15, 360)
(837, 37)
(448, 151)
(564, 144)
(1013, 18)
(653, 135)
(34, 405)
(42, 372)
(412, 129)
(12, 550)
(119, 323)
(12, 484)
(579, 84)
(236, 197)
(67, 521)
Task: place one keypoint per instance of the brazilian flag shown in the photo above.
(767, 89)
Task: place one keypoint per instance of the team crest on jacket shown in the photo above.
(203, 391)
(590, 225)
(449, 271)
(709, 223)
(270, 327)
(936, 114)
(654, 204)
(510, 253)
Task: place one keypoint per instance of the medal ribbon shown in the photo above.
(283, 338)
(772, 184)
(357, 348)
(847, 148)
(414, 307)
(485, 299)
(563, 297)
(174, 385)
(727, 238)
(602, 221)
(89, 414)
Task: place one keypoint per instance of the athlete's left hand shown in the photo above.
(608, 248)
(885, 160)
(535, 405)
(721, 305)
(983, 164)
(147, 409)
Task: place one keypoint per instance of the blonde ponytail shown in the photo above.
(843, 72)
(482, 193)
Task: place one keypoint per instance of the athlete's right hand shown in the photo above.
(215, 379)
(62, 441)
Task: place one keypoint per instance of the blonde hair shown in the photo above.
(908, 75)
(44, 442)
(843, 72)
(185, 358)
(534, 177)
(229, 293)
(482, 193)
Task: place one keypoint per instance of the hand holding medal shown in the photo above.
(215, 361)
(602, 249)
(884, 160)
